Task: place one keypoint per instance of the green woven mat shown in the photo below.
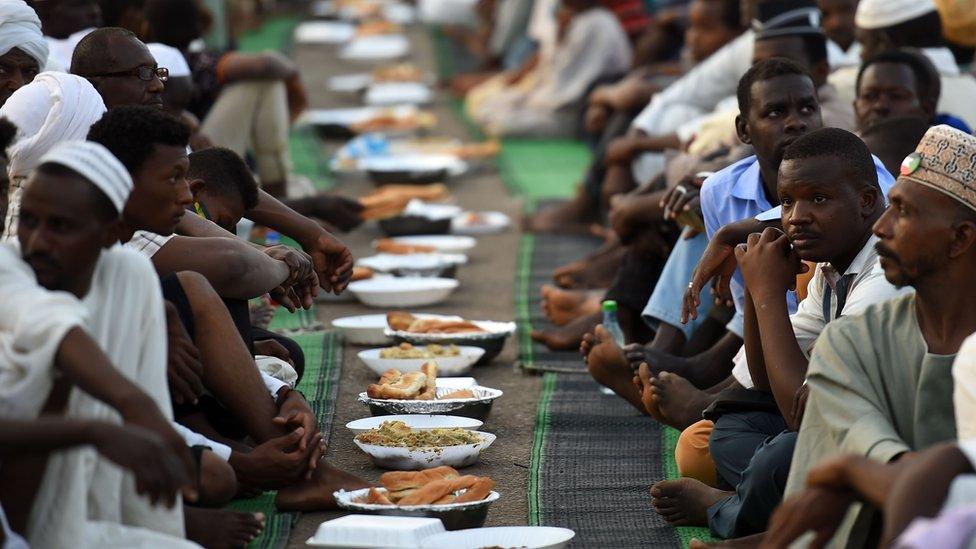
(685, 533)
(319, 384)
(543, 168)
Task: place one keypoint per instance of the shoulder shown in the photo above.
(720, 181)
(873, 326)
(122, 260)
(147, 243)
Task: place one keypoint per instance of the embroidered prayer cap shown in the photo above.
(20, 28)
(96, 164)
(945, 160)
(786, 18)
(958, 21)
(880, 14)
(170, 58)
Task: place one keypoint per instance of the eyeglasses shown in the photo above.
(144, 72)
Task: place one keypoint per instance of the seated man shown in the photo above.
(81, 276)
(245, 101)
(332, 260)
(64, 24)
(545, 102)
(23, 50)
(239, 403)
(880, 384)
(829, 191)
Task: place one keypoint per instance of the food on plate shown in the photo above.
(389, 120)
(390, 246)
(406, 350)
(393, 385)
(459, 394)
(361, 273)
(401, 72)
(398, 433)
(375, 28)
(406, 322)
(452, 148)
(391, 200)
(474, 219)
(438, 486)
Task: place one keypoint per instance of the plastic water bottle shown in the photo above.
(610, 322)
(272, 238)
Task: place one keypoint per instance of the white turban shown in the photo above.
(879, 14)
(170, 58)
(20, 28)
(97, 164)
(55, 107)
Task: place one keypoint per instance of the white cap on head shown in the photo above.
(96, 164)
(879, 14)
(20, 28)
(170, 58)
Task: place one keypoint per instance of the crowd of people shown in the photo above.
(785, 189)
(786, 193)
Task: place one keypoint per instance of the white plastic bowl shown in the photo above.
(324, 32)
(445, 244)
(363, 329)
(403, 292)
(415, 163)
(375, 531)
(386, 263)
(349, 82)
(388, 46)
(399, 458)
(394, 93)
(446, 365)
(493, 222)
(416, 421)
(531, 537)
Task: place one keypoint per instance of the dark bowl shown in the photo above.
(468, 516)
(415, 177)
(409, 225)
(334, 131)
(476, 410)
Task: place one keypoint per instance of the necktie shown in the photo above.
(843, 286)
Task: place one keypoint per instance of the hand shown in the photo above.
(332, 260)
(718, 263)
(818, 509)
(620, 150)
(344, 213)
(831, 473)
(769, 264)
(183, 369)
(275, 463)
(595, 120)
(271, 347)
(296, 95)
(295, 412)
(683, 197)
(144, 413)
(159, 473)
(302, 280)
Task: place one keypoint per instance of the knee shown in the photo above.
(775, 457)
(692, 455)
(218, 482)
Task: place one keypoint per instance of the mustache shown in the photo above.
(884, 252)
(43, 259)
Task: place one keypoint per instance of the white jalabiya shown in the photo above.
(85, 500)
(20, 28)
(55, 107)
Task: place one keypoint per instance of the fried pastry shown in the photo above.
(460, 393)
(430, 389)
(399, 320)
(428, 493)
(361, 273)
(390, 246)
(407, 387)
(377, 497)
(478, 491)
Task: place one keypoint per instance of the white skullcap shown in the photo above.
(96, 164)
(170, 58)
(879, 14)
(55, 107)
(20, 28)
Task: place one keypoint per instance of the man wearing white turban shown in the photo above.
(53, 282)
(23, 50)
(55, 107)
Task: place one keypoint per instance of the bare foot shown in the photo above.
(635, 355)
(316, 494)
(573, 216)
(748, 542)
(679, 402)
(568, 337)
(565, 306)
(261, 314)
(591, 273)
(685, 501)
(220, 528)
(644, 382)
(606, 363)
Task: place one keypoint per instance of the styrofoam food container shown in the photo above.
(393, 93)
(446, 365)
(363, 329)
(443, 243)
(375, 531)
(324, 32)
(403, 292)
(349, 82)
(455, 516)
(416, 421)
(494, 222)
(387, 46)
(532, 537)
(356, 115)
(414, 163)
(399, 458)
(386, 263)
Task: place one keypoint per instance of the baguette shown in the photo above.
(429, 493)
(478, 491)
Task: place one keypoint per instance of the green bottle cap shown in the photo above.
(609, 306)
